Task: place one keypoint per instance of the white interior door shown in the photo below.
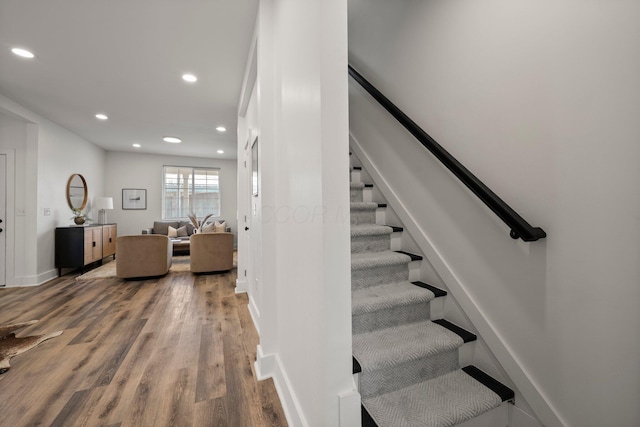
(3, 208)
(254, 222)
(246, 224)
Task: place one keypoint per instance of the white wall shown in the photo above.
(541, 101)
(45, 156)
(144, 171)
(303, 211)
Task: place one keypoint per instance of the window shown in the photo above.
(187, 190)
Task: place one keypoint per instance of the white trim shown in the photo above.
(46, 276)
(9, 225)
(250, 75)
(254, 311)
(42, 278)
(269, 366)
(241, 286)
(512, 365)
(347, 402)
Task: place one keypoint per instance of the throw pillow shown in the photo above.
(172, 232)
(220, 227)
(208, 228)
(182, 231)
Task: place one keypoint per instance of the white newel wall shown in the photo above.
(303, 211)
(541, 101)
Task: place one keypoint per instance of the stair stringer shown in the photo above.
(523, 384)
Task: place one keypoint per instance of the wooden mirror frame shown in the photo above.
(86, 192)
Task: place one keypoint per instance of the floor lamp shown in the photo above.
(102, 204)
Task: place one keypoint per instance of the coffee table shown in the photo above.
(180, 246)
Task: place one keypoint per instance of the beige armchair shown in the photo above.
(211, 252)
(143, 256)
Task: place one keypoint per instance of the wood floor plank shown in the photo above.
(212, 413)
(113, 407)
(171, 351)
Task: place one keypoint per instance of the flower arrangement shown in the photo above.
(78, 217)
(198, 225)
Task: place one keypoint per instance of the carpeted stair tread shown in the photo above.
(363, 206)
(386, 296)
(401, 344)
(370, 230)
(361, 261)
(444, 401)
(357, 185)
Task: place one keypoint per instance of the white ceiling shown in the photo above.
(125, 58)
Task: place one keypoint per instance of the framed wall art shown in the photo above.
(134, 198)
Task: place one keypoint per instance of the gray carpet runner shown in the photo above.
(410, 370)
(445, 401)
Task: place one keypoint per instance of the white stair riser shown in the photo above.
(396, 242)
(414, 271)
(497, 417)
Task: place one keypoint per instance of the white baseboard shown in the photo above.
(255, 313)
(350, 403)
(46, 276)
(241, 286)
(24, 281)
(269, 366)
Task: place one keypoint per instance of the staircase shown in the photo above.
(407, 362)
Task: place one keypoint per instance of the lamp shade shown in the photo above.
(104, 203)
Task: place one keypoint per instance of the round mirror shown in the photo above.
(77, 192)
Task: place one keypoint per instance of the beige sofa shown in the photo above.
(211, 252)
(185, 230)
(143, 256)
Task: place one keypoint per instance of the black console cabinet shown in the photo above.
(77, 246)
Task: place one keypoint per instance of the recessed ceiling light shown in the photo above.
(220, 151)
(221, 129)
(101, 117)
(137, 145)
(22, 52)
(189, 78)
(172, 139)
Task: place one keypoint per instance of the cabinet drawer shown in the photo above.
(109, 233)
(92, 244)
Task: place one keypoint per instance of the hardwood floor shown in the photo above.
(174, 351)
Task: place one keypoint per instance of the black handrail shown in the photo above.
(519, 227)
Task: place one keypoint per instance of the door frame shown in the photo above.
(9, 259)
